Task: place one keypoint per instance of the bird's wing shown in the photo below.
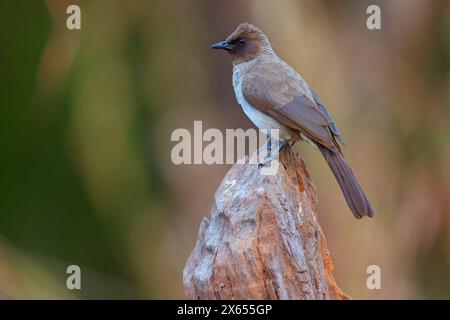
(331, 124)
(278, 91)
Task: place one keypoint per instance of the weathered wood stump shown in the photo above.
(263, 240)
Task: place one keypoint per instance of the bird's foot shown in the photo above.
(271, 157)
(266, 162)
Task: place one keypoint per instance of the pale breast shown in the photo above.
(261, 120)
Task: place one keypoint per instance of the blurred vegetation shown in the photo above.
(86, 117)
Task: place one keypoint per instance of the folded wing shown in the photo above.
(280, 92)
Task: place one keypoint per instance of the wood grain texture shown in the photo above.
(263, 240)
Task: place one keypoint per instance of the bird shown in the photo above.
(275, 96)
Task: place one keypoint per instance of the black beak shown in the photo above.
(221, 45)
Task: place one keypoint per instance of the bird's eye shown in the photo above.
(242, 42)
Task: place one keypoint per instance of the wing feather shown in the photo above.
(280, 92)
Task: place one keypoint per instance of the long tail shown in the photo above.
(353, 193)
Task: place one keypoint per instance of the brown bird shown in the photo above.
(274, 96)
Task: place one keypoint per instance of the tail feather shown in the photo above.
(352, 191)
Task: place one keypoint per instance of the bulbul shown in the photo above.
(274, 96)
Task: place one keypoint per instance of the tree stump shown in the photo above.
(263, 240)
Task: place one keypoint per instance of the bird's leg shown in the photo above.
(283, 145)
(269, 151)
(269, 145)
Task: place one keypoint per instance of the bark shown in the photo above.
(263, 240)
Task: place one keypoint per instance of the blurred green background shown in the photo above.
(86, 117)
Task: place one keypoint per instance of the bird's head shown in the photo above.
(245, 43)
